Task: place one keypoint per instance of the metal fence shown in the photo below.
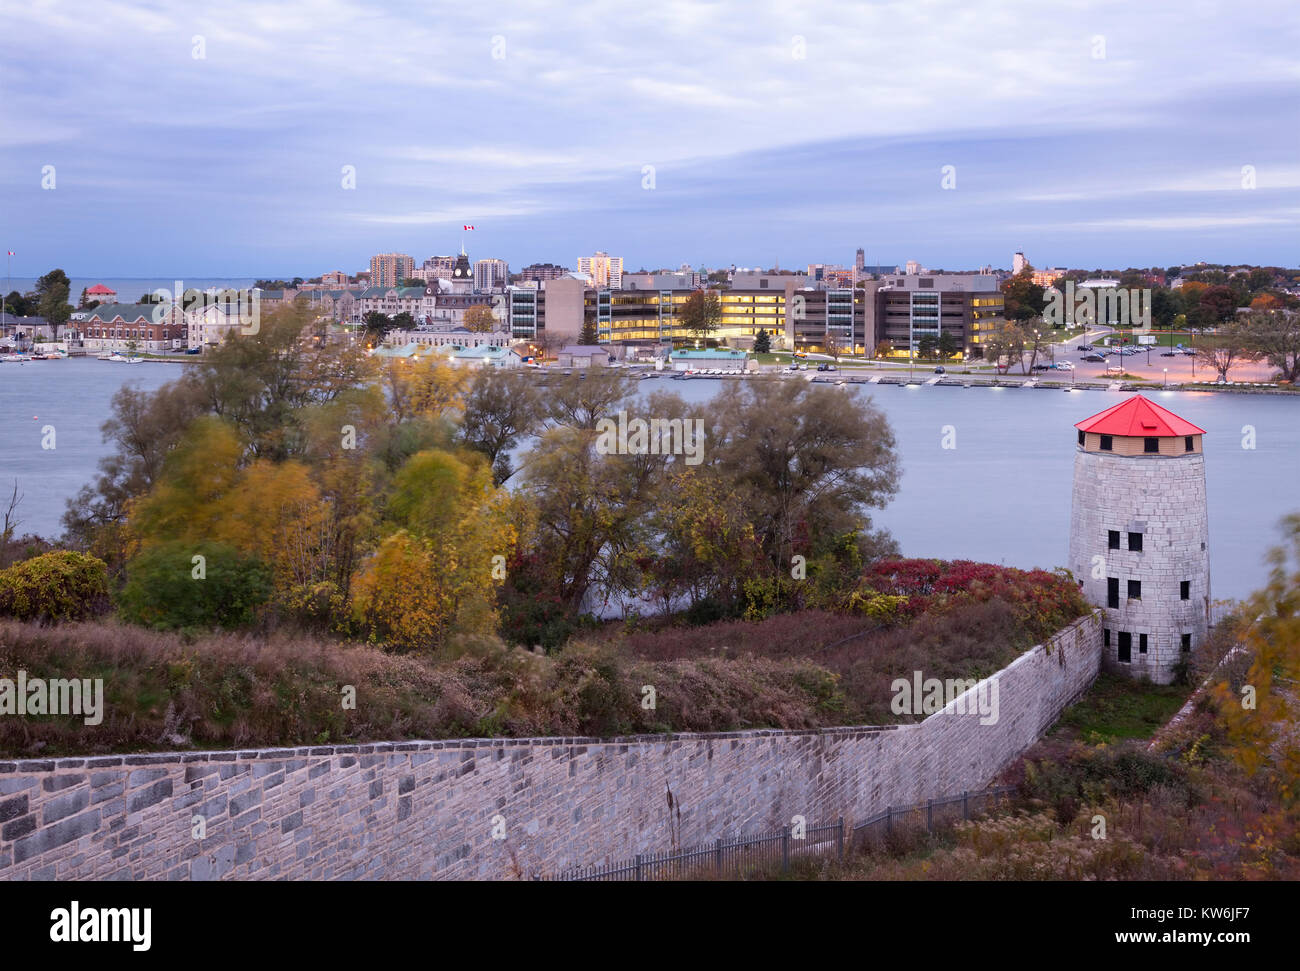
(722, 858)
(931, 815)
(740, 855)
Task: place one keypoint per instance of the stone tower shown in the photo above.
(1139, 535)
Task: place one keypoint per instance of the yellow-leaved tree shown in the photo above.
(1263, 721)
(436, 573)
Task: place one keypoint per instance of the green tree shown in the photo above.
(588, 336)
(52, 299)
(501, 408)
(376, 325)
(762, 342)
(701, 313)
(1022, 298)
(167, 589)
(806, 460)
(949, 346)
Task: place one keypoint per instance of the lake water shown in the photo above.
(1003, 494)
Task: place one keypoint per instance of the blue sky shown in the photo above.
(1086, 134)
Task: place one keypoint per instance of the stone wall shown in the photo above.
(420, 810)
(1163, 498)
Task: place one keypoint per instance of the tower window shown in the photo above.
(1187, 643)
(1106, 442)
(1150, 445)
(1142, 643)
(1112, 539)
(1105, 636)
(1135, 590)
(1187, 443)
(1112, 591)
(1083, 438)
(1125, 646)
(1185, 590)
(1135, 542)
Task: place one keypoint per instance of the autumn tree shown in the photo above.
(808, 461)
(501, 408)
(436, 573)
(1261, 716)
(1228, 347)
(1275, 337)
(480, 319)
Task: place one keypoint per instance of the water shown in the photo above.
(130, 289)
(1003, 494)
(72, 396)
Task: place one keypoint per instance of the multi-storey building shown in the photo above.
(419, 302)
(138, 326)
(910, 307)
(605, 271)
(553, 312)
(541, 272)
(390, 269)
(491, 274)
(797, 318)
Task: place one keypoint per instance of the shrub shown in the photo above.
(62, 585)
(163, 592)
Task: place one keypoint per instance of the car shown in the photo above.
(940, 370)
(1041, 367)
(1168, 353)
(1084, 347)
(1063, 366)
(1188, 352)
(831, 367)
(1094, 358)
(822, 367)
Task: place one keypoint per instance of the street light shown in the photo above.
(1166, 377)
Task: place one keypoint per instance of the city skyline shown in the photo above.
(772, 137)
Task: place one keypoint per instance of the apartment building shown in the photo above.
(390, 269)
(491, 274)
(605, 270)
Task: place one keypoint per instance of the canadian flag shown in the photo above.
(12, 253)
(469, 227)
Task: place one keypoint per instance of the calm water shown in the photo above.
(74, 397)
(1003, 494)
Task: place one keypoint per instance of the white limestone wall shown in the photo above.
(1162, 497)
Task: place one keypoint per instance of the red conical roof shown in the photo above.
(1139, 418)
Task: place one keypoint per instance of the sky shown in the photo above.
(249, 139)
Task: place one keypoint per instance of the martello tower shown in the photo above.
(1139, 535)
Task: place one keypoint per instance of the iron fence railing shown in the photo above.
(739, 855)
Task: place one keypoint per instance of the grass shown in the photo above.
(1121, 708)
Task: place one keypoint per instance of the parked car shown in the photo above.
(1094, 358)
(831, 367)
(1084, 347)
(822, 367)
(940, 370)
(1168, 353)
(1063, 366)
(1188, 352)
(1041, 367)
